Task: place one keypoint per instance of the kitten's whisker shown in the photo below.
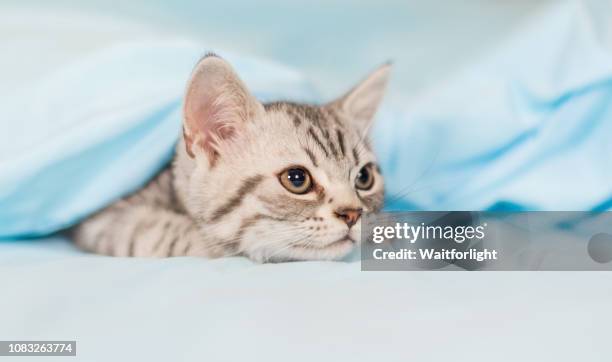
(400, 194)
(286, 247)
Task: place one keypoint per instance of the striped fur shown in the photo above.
(223, 197)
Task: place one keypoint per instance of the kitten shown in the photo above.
(273, 182)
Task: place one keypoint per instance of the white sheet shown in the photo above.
(187, 309)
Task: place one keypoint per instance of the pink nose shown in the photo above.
(349, 215)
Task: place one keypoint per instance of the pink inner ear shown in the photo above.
(213, 123)
(209, 118)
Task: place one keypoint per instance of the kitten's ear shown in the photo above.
(217, 105)
(361, 102)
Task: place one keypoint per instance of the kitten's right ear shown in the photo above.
(361, 102)
(217, 105)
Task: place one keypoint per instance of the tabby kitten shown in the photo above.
(273, 182)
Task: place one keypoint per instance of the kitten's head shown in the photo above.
(278, 181)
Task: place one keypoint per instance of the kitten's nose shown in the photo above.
(348, 215)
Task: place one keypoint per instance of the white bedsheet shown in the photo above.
(187, 309)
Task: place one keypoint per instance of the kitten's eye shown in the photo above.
(365, 178)
(296, 180)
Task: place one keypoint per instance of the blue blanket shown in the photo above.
(525, 127)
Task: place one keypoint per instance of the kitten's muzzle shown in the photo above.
(349, 215)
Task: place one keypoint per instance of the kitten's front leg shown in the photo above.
(141, 230)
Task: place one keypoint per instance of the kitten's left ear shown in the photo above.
(361, 102)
